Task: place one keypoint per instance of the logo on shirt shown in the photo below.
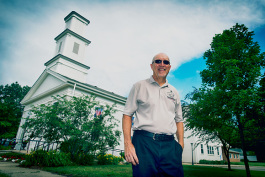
(170, 95)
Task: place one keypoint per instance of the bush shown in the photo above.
(46, 159)
(219, 162)
(108, 159)
(83, 159)
(122, 154)
(77, 155)
(13, 155)
(5, 147)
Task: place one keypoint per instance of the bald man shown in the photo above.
(153, 150)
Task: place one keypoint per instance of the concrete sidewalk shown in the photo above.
(233, 167)
(14, 170)
(242, 167)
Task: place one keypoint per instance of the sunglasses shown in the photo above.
(166, 62)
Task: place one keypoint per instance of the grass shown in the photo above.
(3, 175)
(93, 171)
(198, 171)
(126, 171)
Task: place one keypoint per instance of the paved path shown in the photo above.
(242, 167)
(235, 167)
(14, 170)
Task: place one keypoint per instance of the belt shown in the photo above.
(155, 136)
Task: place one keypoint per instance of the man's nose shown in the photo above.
(162, 63)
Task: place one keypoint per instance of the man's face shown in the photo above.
(160, 70)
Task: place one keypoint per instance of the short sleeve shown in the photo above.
(178, 109)
(131, 103)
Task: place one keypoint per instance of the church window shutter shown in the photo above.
(76, 48)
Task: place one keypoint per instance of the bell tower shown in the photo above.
(70, 49)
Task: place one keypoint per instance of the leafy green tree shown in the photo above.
(73, 121)
(256, 127)
(209, 120)
(10, 108)
(234, 65)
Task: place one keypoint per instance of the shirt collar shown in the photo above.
(151, 80)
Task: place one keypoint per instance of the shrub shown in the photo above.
(5, 147)
(46, 159)
(108, 159)
(220, 162)
(13, 156)
(83, 159)
(122, 154)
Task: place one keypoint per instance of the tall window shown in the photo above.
(76, 48)
(217, 150)
(202, 149)
(210, 149)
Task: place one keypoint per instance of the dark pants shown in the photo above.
(157, 158)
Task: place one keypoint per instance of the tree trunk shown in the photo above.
(226, 152)
(240, 126)
(228, 160)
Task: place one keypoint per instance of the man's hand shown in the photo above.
(180, 133)
(182, 144)
(130, 154)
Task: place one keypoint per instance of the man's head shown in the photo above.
(160, 66)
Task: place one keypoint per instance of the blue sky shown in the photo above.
(124, 36)
(188, 73)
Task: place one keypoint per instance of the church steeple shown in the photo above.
(76, 22)
(70, 49)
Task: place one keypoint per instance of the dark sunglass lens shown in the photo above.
(166, 62)
(158, 61)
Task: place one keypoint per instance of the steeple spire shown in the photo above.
(76, 23)
(70, 49)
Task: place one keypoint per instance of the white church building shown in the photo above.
(66, 74)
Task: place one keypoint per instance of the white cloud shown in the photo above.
(124, 35)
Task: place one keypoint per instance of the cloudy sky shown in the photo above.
(124, 36)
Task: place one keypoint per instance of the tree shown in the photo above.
(256, 129)
(10, 108)
(209, 120)
(73, 121)
(234, 65)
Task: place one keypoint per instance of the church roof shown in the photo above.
(78, 15)
(66, 82)
(94, 89)
(66, 58)
(68, 31)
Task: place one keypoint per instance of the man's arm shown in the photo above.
(130, 154)
(180, 133)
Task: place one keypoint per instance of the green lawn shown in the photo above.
(93, 171)
(199, 171)
(3, 175)
(126, 171)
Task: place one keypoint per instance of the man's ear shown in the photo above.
(151, 65)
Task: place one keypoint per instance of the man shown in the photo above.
(153, 150)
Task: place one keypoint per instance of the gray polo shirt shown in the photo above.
(157, 108)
